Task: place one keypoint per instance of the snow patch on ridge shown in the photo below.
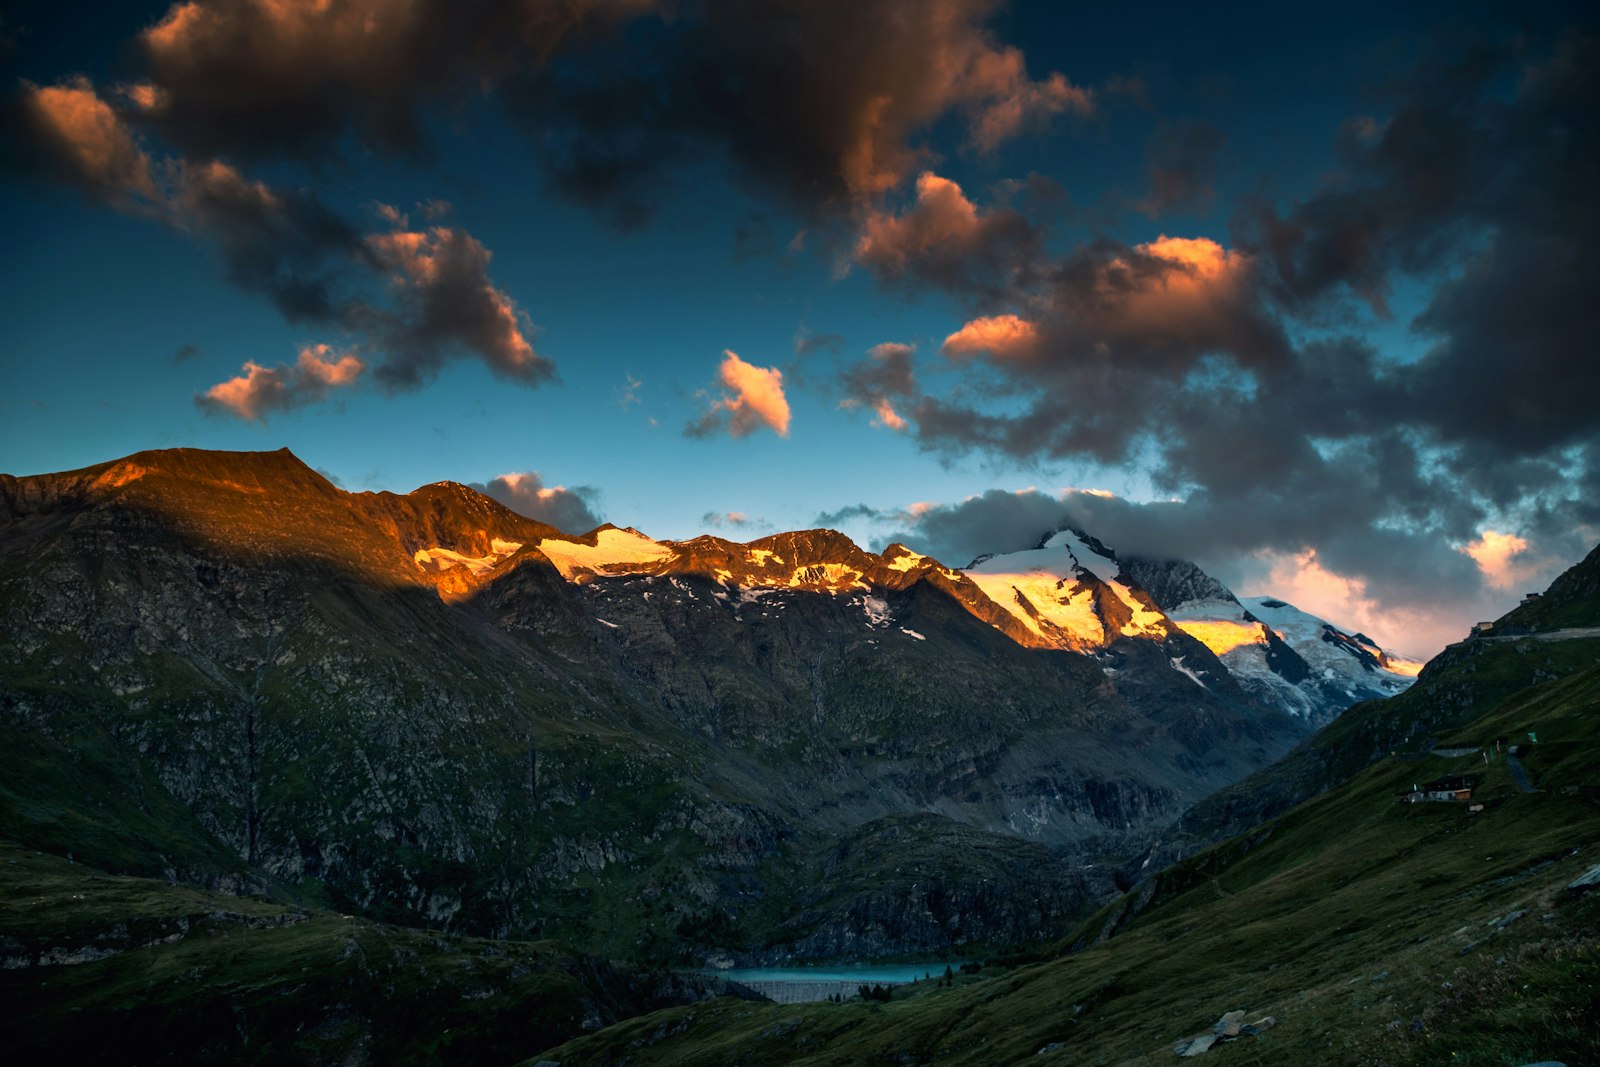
(614, 551)
(877, 611)
(1177, 665)
(832, 575)
(442, 559)
(1220, 625)
(910, 561)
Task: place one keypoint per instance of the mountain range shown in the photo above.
(432, 709)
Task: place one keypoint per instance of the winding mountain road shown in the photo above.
(1549, 635)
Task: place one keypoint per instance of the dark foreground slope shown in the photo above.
(100, 968)
(1371, 931)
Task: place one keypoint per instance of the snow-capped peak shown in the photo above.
(613, 550)
(1052, 591)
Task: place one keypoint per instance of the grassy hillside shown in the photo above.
(1462, 683)
(1365, 927)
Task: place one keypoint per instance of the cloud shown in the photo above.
(1497, 556)
(80, 138)
(569, 510)
(1348, 602)
(885, 378)
(255, 78)
(1181, 167)
(445, 299)
(185, 353)
(944, 240)
(419, 297)
(854, 512)
(1001, 336)
(260, 391)
(721, 519)
(630, 392)
(807, 343)
(754, 398)
(284, 244)
(821, 102)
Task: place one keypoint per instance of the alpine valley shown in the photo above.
(316, 776)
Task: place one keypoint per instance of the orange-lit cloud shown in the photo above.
(1173, 287)
(1002, 336)
(916, 62)
(262, 390)
(1500, 556)
(1014, 100)
(1304, 581)
(887, 416)
(89, 142)
(944, 238)
(754, 398)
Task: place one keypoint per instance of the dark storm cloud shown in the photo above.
(445, 300)
(569, 510)
(944, 241)
(1222, 374)
(285, 244)
(854, 512)
(416, 298)
(822, 101)
(245, 78)
(807, 343)
(1182, 165)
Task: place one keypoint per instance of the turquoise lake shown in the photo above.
(886, 973)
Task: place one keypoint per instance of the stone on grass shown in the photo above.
(1589, 879)
(1228, 1025)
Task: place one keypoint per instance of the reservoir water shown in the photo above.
(795, 985)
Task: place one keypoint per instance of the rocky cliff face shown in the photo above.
(430, 709)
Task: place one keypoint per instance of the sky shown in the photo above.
(1303, 296)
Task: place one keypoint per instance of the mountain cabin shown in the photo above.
(1440, 789)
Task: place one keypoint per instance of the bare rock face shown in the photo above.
(219, 667)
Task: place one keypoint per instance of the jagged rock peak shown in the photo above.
(1172, 583)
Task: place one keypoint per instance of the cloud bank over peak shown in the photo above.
(568, 510)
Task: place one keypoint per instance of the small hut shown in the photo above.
(1440, 790)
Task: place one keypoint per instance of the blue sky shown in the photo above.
(1240, 127)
